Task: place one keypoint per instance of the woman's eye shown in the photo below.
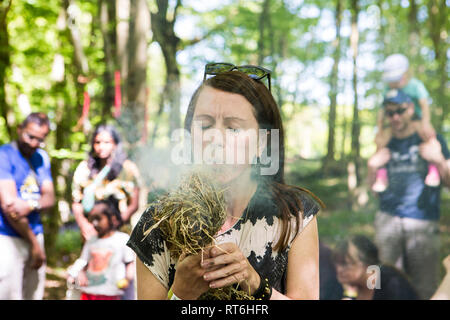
(206, 127)
(234, 130)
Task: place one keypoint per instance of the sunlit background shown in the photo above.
(54, 52)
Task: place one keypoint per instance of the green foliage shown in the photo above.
(68, 244)
(67, 154)
(295, 40)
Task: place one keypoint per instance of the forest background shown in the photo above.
(135, 64)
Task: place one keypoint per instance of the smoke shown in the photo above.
(224, 153)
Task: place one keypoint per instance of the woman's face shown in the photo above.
(104, 145)
(224, 134)
(351, 271)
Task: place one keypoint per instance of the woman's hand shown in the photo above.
(188, 283)
(227, 265)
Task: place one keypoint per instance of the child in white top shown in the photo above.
(106, 263)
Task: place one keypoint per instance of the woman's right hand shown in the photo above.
(189, 283)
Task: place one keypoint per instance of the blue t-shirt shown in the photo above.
(407, 195)
(13, 166)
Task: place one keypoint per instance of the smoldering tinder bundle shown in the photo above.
(189, 217)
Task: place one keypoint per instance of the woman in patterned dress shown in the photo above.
(121, 180)
(269, 242)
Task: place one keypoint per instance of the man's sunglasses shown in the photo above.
(398, 111)
(254, 72)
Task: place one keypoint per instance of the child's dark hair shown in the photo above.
(112, 209)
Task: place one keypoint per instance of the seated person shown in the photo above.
(363, 276)
(330, 288)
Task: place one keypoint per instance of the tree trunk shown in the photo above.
(267, 36)
(263, 20)
(107, 14)
(354, 39)
(414, 29)
(164, 34)
(137, 68)
(80, 58)
(344, 135)
(80, 62)
(382, 30)
(138, 43)
(63, 108)
(329, 159)
(438, 20)
(122, 34)
(157, 120)
(4, 64)
(357, 193)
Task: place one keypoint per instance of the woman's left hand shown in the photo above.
(227, 265)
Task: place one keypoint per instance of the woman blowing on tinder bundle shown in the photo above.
(269, 241)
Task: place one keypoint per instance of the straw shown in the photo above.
(189, 217)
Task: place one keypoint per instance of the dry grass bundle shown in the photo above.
(188, 219)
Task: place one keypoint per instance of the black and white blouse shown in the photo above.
(256, 233)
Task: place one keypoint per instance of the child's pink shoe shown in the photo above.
(381, 182)
(432, 179)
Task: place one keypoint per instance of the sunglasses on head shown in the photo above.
(254, 72)
(398, 111)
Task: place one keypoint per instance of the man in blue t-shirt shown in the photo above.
(406, 225)
(26, 188)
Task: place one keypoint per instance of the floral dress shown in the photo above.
(121, 188)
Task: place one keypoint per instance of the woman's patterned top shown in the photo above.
(256, 233)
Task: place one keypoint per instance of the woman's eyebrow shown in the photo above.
(227, 119)
(234, 119)
(204, 116)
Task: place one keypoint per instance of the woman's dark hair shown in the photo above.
(267, 114)
(112, 210)
(119, 156)
(367, 251)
